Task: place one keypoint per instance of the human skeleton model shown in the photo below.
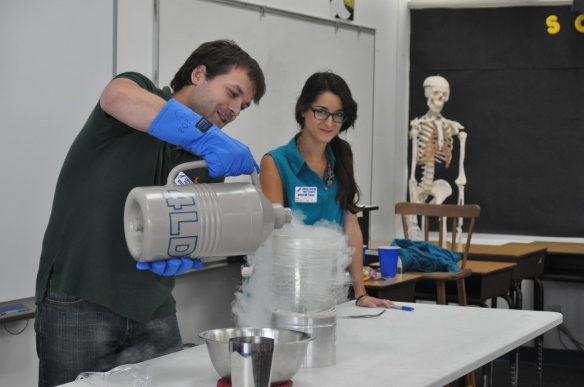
(432, 142)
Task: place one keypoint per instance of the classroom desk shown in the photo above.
(564, 261)
(487, 281)
(431, 346)
(400, 288)
(530, 263)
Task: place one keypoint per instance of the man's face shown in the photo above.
(221, 99)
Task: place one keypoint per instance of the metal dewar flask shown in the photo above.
(199, 220)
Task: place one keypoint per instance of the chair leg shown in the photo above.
(461, 292)
(441, 293)
(470, 379)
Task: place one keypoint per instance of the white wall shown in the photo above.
(135, 31)
(54, 65)
(18, 359)
(55, 58)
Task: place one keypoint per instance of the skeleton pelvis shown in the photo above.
(440, 191)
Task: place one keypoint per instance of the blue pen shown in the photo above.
(407, 308)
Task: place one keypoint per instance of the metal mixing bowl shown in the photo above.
(289, 349)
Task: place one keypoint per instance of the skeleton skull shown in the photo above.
(437, 91)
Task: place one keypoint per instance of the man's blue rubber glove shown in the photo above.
(172, 266)
(224, 155)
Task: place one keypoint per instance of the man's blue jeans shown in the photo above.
(75, 336)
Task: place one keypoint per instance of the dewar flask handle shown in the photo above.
(255, 180)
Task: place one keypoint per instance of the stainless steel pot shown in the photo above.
(289, 349)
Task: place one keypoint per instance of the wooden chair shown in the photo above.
(444, 213)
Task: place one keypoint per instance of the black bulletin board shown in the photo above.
(519, 93)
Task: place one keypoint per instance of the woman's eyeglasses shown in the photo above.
(323, 115)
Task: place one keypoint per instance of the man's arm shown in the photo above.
(127, 102)
(177, 124)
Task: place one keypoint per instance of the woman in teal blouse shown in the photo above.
(313, 173)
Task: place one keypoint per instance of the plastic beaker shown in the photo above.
(129, 375)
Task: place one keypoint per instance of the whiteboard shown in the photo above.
(56, 57)
(289, 48)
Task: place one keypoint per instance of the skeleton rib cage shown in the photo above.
(429, 148)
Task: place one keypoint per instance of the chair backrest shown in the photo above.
(444, 213)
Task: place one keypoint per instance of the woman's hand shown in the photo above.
(372, 302)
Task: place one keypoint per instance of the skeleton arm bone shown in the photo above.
(461, 180)
(414, 231)
(413, 183)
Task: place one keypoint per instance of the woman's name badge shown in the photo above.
(305, 194)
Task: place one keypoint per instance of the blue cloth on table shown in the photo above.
(426, 257)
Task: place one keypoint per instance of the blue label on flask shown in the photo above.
(182, 212)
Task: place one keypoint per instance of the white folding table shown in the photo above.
(431, 346)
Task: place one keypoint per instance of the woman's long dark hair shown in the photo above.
(348, 194)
